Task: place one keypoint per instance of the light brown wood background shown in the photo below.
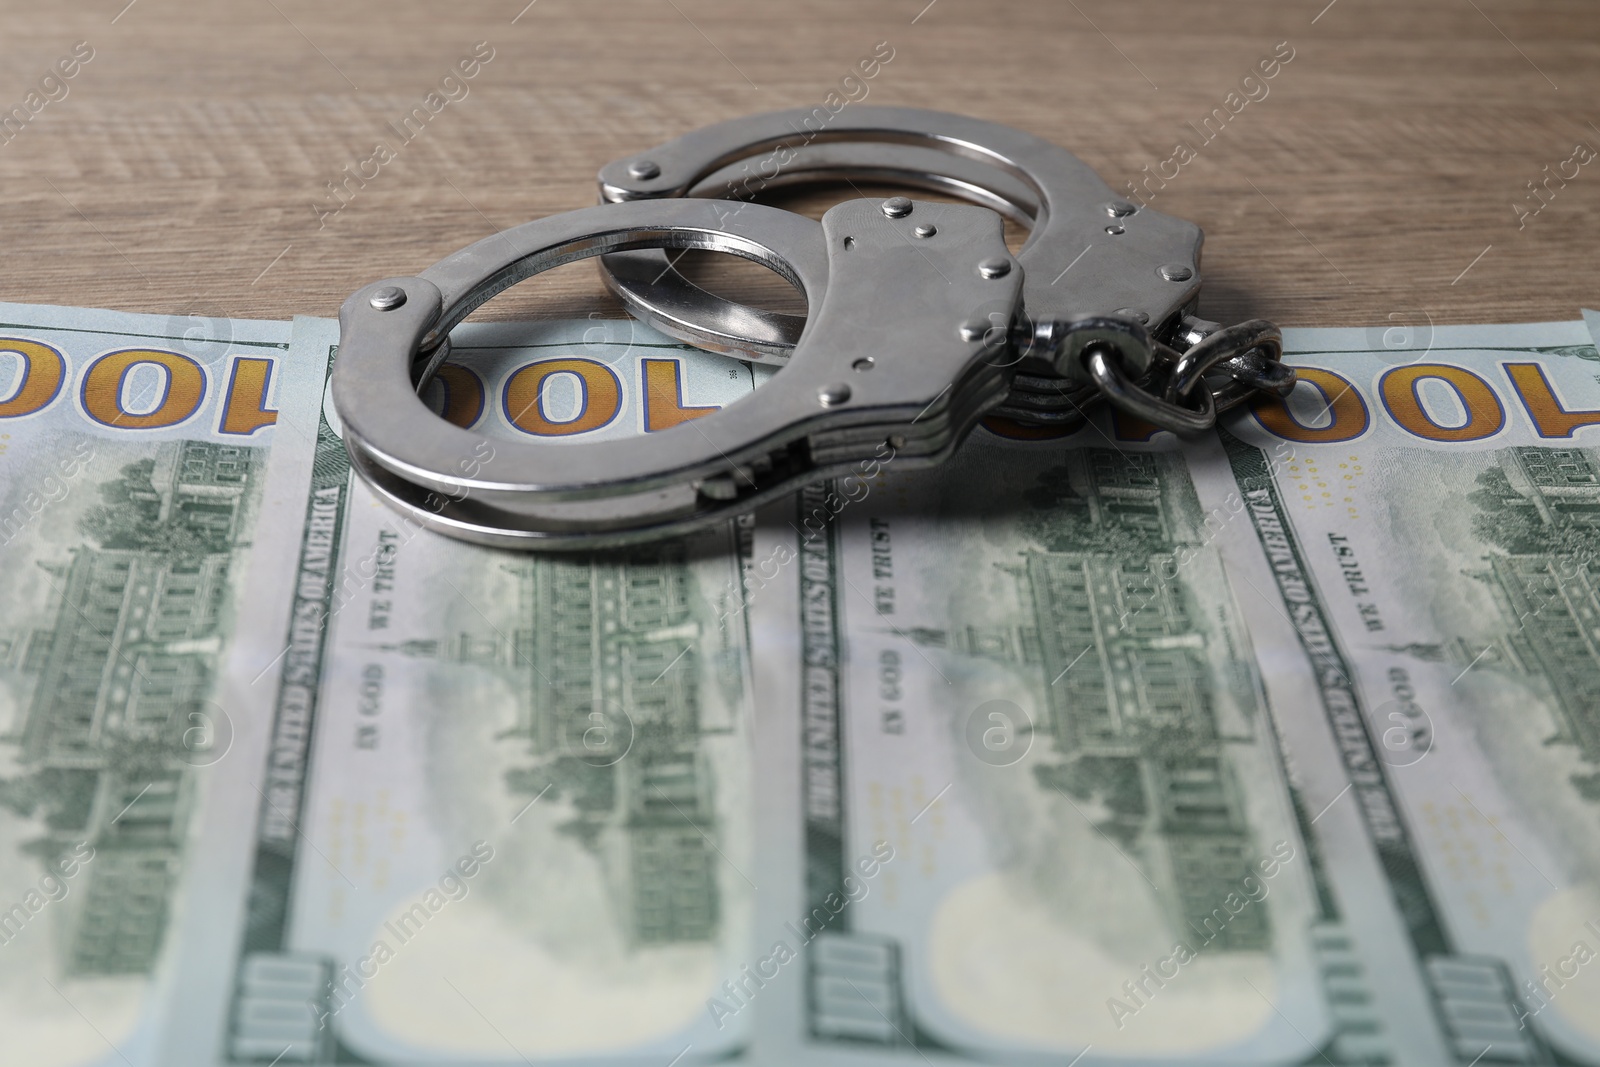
(178, 175)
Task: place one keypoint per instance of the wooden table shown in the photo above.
(1379, 176)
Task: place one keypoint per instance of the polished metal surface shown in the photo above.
(1145, 265)
(882, 364)
(1100, 363)
(1088, 251)
(651, 290)
(920, 323)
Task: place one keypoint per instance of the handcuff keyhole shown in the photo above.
(849, 243)
(1116, 230)
(864, 363)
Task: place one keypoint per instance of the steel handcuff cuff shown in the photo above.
(1144, 265)
(916, 326)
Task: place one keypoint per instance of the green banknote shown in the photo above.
(1425, 598)
(135, 492)
(1272, 747)
(504, 808)
(1041, 812)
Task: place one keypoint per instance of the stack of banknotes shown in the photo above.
(1280, 746)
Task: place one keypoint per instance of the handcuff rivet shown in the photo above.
(388, 298)
(644, 170)
(1176, 272)
(897, 207)
(994, 268)
(833, 395)
(927, 229)
(1120, 209)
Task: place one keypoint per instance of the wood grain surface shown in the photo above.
(181, 169)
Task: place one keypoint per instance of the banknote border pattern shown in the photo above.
(294, 719)
(824, 812)
(1347, 716)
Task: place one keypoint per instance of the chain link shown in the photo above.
(1184, 392)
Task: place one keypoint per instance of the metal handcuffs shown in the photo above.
(1089, 252)
(916, 329)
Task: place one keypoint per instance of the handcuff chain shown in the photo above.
(1185, 391)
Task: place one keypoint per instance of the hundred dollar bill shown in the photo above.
(1428, 502)
(1042, 815)
(135, 495)
(504, 808)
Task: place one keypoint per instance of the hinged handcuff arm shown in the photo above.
(888, 358)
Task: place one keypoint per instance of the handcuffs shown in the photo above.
(920, 323)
